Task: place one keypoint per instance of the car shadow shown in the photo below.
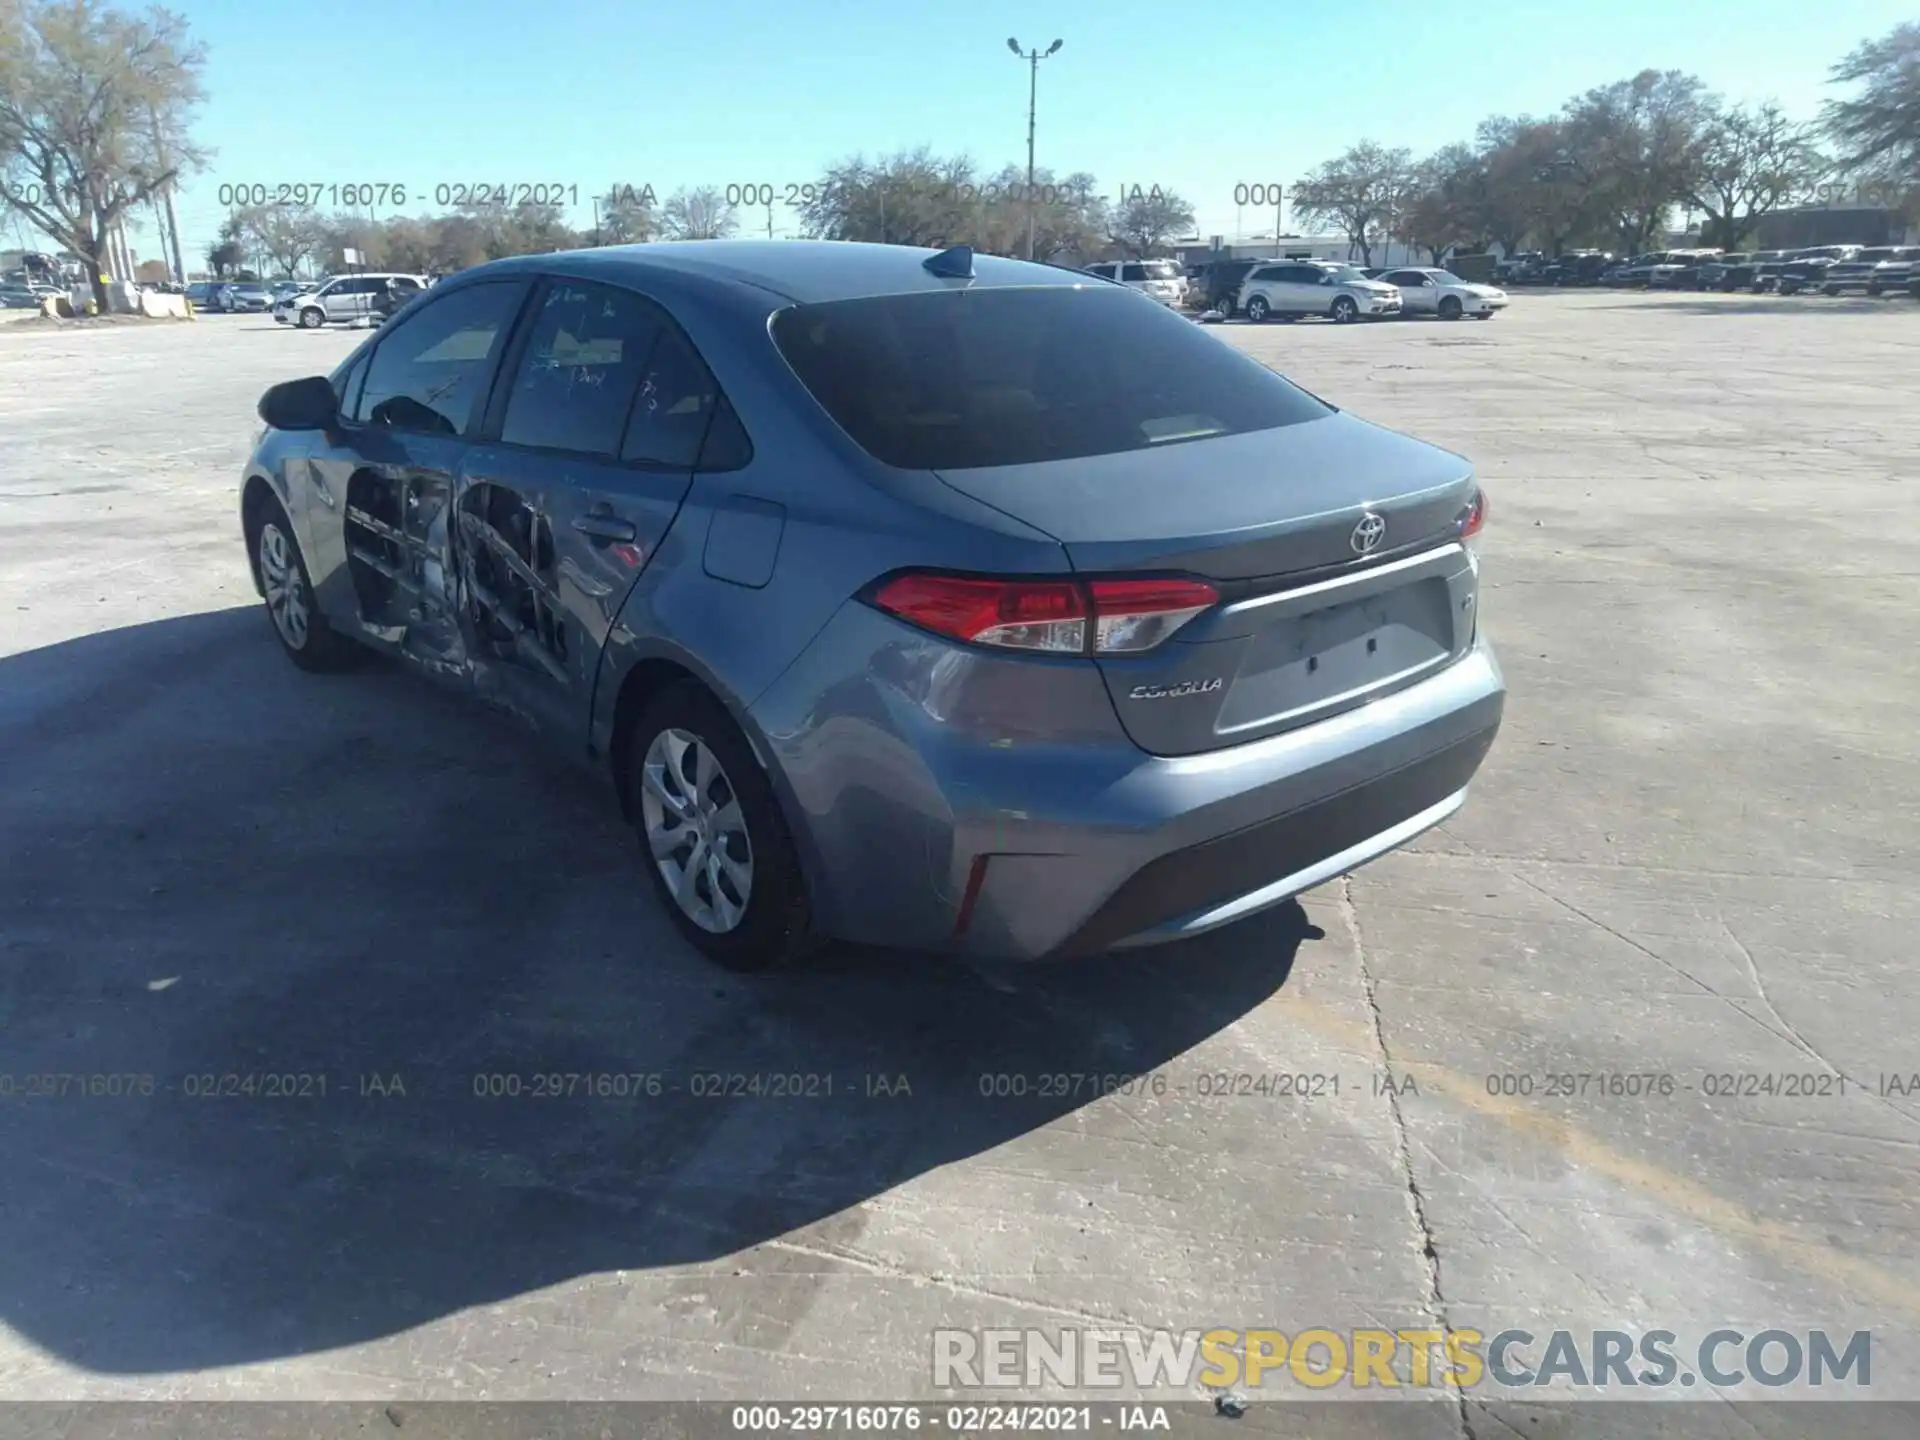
(331, 1006)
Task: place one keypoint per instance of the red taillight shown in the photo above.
(1474, 518)
(1018, 614)
(1048, 615)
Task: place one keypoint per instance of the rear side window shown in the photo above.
(1136, 273)
(674, 405)
(428, 374)
(959, 380)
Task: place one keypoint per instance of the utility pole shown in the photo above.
(1033, 59)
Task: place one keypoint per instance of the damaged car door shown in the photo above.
(591, 441)
(408, 416)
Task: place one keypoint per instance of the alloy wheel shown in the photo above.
(286, 586)
(696, 831)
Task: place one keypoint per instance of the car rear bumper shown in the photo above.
(928, 819)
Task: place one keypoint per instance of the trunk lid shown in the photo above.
(1318, 614)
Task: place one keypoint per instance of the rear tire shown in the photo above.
(712, 819)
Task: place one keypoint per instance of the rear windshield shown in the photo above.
(966, 379)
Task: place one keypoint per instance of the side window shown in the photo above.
(583, 364)
(1270, 272)
(1134, 272)
(349, 383)
(429, 374)
(676, 400)
(727, 446)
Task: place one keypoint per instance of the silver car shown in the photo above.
(343, 300)
(1163, 280)
(1425, 290)
(1292, 289)
(945, 603)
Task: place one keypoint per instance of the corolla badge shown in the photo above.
(1174, 692)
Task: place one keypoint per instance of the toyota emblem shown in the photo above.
(1368, 534)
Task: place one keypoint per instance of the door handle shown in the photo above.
(604, 527)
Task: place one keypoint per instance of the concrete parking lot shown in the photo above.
(1692, 854)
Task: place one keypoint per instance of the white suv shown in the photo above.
(345, 299)
(1292, 288)
(1164, 280)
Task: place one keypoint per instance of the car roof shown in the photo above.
(803, 271)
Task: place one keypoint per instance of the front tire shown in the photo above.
(713, 839)
(1451, 308)
(303, 632)
(1344, 311)
(1258, 310)
(312, 319)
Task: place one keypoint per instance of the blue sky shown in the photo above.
(1198, 98)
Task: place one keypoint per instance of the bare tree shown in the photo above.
(1879, 128)
(1143, 221)
(1753, 161)
(286, 235)
(1359, 192)
(94, 109)
(1637, 146)
(1442, 205)
(625, 216)
(911, 198)
(698, 214)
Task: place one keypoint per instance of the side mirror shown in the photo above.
(308, 404)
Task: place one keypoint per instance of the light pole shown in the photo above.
(1033, 59)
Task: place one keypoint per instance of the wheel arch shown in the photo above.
(256, 498)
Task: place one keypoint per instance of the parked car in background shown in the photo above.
(248, 297)
(1219, 282)
(1807, 270)
(1732, 271)
(1295, 288)
(533, 487)
(1425, 290)
(20, 297)
(1861, 272)
(1576, 267)
(1681, 270)
(200, 294)
(1890, 277)
(1523, 268)
(1164, 280)
(1637, 271)
(1766, 273)
(343, 300)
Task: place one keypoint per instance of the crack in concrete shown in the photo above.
(1437, 1306)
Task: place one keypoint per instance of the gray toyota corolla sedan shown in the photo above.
(910, 598)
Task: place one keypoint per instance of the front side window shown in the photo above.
(582, 366)
(955, 380)
(429, 373)
(1136, 273)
